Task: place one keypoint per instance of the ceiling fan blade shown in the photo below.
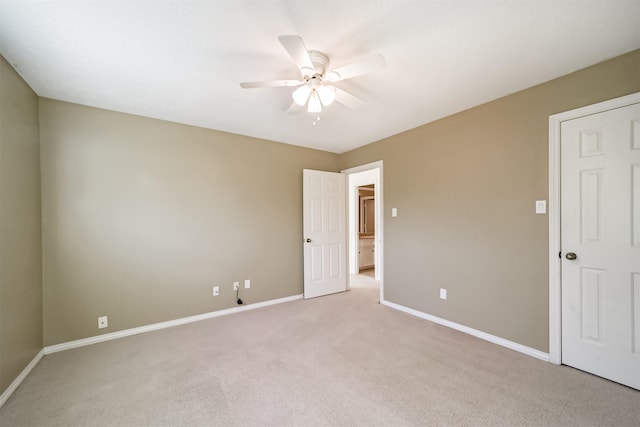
(294, 108)
(271, 83)
(294, 45)
(348, 100)
(357, 68)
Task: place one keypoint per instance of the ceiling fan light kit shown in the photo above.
(314, 97)
(327, 94)
(315, 90)
(314, 103)
(301, 95)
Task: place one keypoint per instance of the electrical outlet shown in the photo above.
(443, 293)
(236, 286)
(103, 322)
(216, 291)
(247, 284)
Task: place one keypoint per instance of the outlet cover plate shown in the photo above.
(443, 293)
(216, 291)
(103, 322)
(247, 284)
(236, 286)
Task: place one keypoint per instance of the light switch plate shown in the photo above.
(541, 206)
(394, 212)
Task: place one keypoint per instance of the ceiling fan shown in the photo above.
(315, 88)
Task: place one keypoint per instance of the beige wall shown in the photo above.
(20, 241)
(142, 217)
(465, 188)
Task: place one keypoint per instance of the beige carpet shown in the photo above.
(341, 360)
(364, 280)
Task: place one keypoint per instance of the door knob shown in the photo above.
(308, 240)
(571, 256)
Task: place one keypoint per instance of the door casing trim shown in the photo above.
(555, 243)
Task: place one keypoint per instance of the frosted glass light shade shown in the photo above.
(327, 94)
(314, 103)
(301, 95)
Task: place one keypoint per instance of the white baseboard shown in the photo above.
(16, 383)
(476, 333)
(162, 325)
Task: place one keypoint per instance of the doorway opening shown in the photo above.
(365, 218)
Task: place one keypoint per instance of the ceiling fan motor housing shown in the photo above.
(320, 62)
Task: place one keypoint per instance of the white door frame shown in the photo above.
(379, 220)
(555, 270)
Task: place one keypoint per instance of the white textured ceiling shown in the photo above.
(183, 60)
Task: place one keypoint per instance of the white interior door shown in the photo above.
(600, 235)
(325, 235)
